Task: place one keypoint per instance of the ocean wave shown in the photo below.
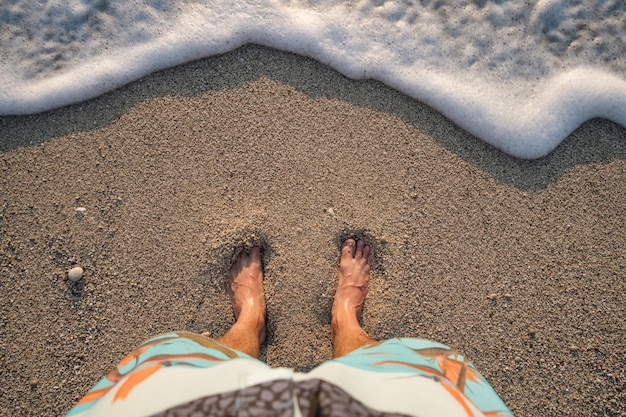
(519, 75)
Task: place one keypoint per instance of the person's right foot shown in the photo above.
(353, 276)
(246, 291)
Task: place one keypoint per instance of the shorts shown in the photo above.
(185, 374)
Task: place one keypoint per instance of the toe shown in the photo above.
(255, 254)
(237, 266)
(348, 248)
(367, 252)
(359, 249)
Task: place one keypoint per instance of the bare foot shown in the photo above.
(354, 275)
(246, 291)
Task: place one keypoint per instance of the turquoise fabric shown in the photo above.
(422, 358)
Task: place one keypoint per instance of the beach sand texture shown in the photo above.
(520, 265)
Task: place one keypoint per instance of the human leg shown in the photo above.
(420, 376)
(248, 298)
(184, 351)
(353, 280)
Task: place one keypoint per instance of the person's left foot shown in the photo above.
(246, 291)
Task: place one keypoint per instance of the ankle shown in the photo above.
(347, 339)
(344, 321)
(252, 322)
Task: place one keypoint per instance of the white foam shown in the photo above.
(517, 75)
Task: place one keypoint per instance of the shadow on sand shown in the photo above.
(253, 62)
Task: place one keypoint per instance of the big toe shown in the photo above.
(348, 249)
(255, 254)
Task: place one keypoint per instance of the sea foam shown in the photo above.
(519, 75)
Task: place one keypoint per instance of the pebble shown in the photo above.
(80, 211)
(330, 211)
(75, 274)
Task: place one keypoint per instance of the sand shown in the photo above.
(520, 265)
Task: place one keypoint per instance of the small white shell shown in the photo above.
(75, 274)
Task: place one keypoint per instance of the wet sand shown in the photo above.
(520, 265)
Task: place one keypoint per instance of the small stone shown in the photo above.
(532, 332)
(80, 211)
(34, 382)
(574, 348)
(518, 359)
(75, 274)
(330, 211)
(508, 296)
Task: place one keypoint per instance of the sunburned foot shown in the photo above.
(246, 291)
(353, 274)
